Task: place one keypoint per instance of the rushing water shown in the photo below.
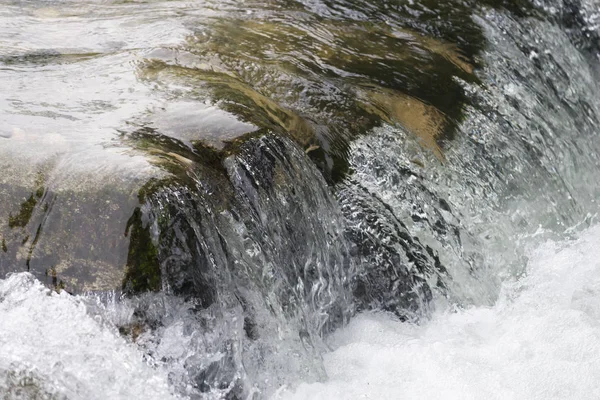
(299, 199)
(539, 341)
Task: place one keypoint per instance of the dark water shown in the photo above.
(225, 184)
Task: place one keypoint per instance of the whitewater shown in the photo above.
(541, 340)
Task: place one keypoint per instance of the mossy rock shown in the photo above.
(72, 236)
(321, 79)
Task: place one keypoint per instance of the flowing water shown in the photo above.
(299, 199)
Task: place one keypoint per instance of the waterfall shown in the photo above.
(239, 200)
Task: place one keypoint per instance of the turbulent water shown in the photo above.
(299, 199)
(539, 341)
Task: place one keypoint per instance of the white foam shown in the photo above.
(51, 348)
(540, 341)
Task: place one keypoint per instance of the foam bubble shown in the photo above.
(51, 348)
(541, 340)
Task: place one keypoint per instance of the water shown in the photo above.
(312, 199)
(53, 349)
(539, 341)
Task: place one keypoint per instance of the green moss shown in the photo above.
(32, 247)
(4, 248)
(170, 154)
(310, 78)
(143, 269)
(56, 284)
(178, 158)
(27, 207)
(24, 215)
(153, 186)
(275, 75)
